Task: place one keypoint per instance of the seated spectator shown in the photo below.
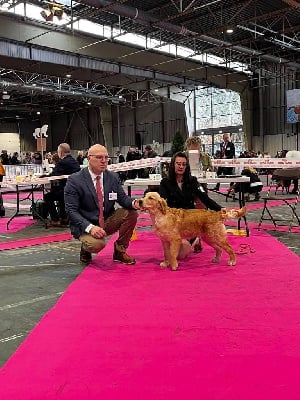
(27, 159)
(253, 187)
(15, 159)
(66, 165)
(168, 153)
(37, 158)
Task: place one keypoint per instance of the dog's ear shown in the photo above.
(163, 205)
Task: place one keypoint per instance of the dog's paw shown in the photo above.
(164, 264)
(231, 263)
(215, 260)
(174, 267)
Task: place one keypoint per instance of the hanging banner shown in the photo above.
(257, 162)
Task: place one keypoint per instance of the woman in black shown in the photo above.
(180, 189)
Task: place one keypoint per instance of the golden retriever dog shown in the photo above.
(172, 225)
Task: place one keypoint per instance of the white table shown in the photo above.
(138, 182)
(28, 186)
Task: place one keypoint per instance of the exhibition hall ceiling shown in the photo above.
(72, 70)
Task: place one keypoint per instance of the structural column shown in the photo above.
(106, 122)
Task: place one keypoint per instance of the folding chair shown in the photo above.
(291, 201)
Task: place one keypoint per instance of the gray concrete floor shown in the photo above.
(33, 278)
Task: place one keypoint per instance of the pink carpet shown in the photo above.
(207, 331)
(253, 226)
(258, 205)
(35, 241)
(16, 224)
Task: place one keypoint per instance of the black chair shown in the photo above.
(290, 200)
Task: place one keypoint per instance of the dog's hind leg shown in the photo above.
(217, 238)
(229, 250)
(218, 249)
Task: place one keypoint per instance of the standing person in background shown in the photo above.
(194, 143)
(90, 197)
(149, 152)
(132, 155)
(85, 161)
(80, 157)
(227, 151)
(119, 159)
(205, 163)
(15, 159)
(5, 158)
(66, 165)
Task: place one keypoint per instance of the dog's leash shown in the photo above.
(245, 249)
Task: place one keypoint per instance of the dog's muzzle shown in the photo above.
(141, 203)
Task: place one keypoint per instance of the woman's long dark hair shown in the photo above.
(187, 172)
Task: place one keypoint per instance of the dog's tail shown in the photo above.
(234, 213)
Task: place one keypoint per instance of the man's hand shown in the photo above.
(136, 204)
(97, 232)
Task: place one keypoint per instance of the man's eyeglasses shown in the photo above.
(180, 164)
(101, 158)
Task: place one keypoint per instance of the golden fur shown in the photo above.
(172, 225)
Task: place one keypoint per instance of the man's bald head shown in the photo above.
(98, 158)
(97, 148)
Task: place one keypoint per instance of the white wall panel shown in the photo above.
(10, 142)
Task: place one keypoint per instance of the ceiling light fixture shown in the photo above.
(53, 10)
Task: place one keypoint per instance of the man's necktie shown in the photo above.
(223, 149)
(100, 200)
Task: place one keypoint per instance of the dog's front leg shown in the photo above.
(166, 248)
(174, 251)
